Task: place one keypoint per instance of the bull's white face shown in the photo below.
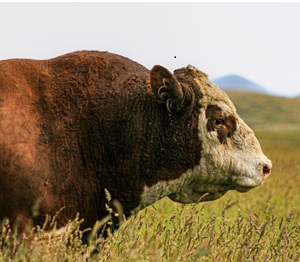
(231, 159)
(231, 156)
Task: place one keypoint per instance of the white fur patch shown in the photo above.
(161, 189)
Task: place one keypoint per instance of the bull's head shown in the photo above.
(231, 156)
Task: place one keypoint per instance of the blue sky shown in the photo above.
(259, 41)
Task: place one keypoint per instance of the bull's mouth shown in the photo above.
(245, 184)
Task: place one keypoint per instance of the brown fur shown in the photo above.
(75, 125)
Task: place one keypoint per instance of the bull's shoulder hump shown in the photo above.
(98, 60)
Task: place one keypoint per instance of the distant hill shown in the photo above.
(265, 112)
(236, 82)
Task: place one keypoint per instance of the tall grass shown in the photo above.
(261, 225)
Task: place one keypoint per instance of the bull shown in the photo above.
(76, 126)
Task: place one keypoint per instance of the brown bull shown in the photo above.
(75, 125)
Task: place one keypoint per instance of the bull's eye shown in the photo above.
(219, 122)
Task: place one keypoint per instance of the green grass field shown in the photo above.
(261, 225)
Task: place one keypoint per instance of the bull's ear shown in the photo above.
(166, 88)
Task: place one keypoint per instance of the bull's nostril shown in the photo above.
(266, 171)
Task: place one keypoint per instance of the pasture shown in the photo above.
(261, 225)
